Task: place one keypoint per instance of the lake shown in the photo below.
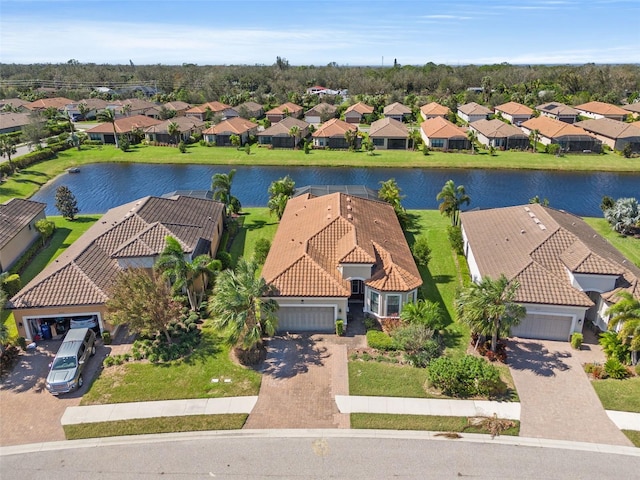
(102, 186)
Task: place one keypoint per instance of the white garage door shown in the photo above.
(306, 319)
(544, 327)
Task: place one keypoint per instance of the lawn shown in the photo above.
(181, 379)
(255, 223)
(622, 395)
(628, 246)
(633, 436)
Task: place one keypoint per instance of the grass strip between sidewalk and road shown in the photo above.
(634, 436)
(142, 426)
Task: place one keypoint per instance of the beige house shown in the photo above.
(497, 134)
(440, 133)
(389, 134)
(613, 133)
(285, 110)
(208, 110)
(123, 126)
(597, 110)
(356, 112)
(76, 286)
(187, 127)
(335, 255)
(13, 121)
(331, 134)
(558, 111)
(570, 137)
(471, 112)
(434, 109)
(220, 134)
(633, 109)
(397, 111)
(568, 274)
(250, 110)
(279, 135)
(320, 113)
(59, 103)
(514, 112)
(18, 232)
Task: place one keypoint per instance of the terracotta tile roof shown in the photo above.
(557, 108)
(552, 128)
(434, 109)
(601, 108)
(125, 124)
(283, 126)
(322, 109)
(473, 108)
(388, 128)
(185, 124)
(514, 108)
(57, 102)
(92, 103)
(236, 125)
(317, 234)
(289, 107)
(538, 246)
(611, 128)
(83, 274)
(333, 128)
(15, 214)
(438, 127)
(361, 108)
(496, 129)
(214, 107)
(396, 108)
(632, 107)
(177, 106)
(251, 106)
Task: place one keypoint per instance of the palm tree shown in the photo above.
(533, 138)
(173, 129)
(108, 116)
(295, 133)
(624, 316)
(488, 308)
(84, 109)
(424, 312)
(390, 192)
(279, 193)
(239, 306)
(8, 148)
(452, 198)
(471, 135)
(184, 275)
(221, 187)
(126, 109)
(350, 138)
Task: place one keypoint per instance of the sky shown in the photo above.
(371, 32)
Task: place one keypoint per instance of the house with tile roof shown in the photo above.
(497, 134)
(278, 135)
(397, 111)
(320, 113)
(250, 110)
(389, 134)
(514, 112)
(77, 283)
(93, 106)
(331, 135)
(56, 102)
(208, 110)
(633, 109)
(123, 126)
(568, 274)
(13, 103)
(617, 135)
(442, 134)
(334, 255)
(135, 106)
(13, 121)
(220, 134)
(602, 110)
(18, 218)
(558, 111)
(434, 109)
(569, 137)
(471, 112)
(356, 113)
(178, 106)
(187, 126)
(280, 112)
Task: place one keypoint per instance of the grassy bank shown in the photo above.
(628, 246)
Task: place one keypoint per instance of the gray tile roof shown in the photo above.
(16, 214)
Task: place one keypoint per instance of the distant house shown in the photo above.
(442, 134)
(13, 103)
(285, 110)
(322, 91)
(434, 109)
(602, 110)
(123, 126)
(397, 111)
(514, 112)
(179, 107)
(389, 134)
(13, 122)
(497, 134)
(633, 109)
(220, 134)
(278, 135)
(331, 134)
(250, 110)
(613, 133)
(558, 111)
(136, 106)
(355, 113)
(208, 110)
(18, 232)
(471, 112)
(316, 89)
(187, 126)
(569, 137)
(320, 113)
(59, 103)
(93, 105)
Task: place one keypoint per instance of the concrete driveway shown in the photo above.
(302, 374)
(557, 399)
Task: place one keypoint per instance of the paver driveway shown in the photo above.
(302, 375)
(557, 399)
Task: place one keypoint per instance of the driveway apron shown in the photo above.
(301, 377)
(557, 399)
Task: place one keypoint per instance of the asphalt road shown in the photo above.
(312, 454)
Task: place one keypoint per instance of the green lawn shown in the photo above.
(628, 246)
(256, 223)
(431, 423)
(633, 436)
(186, 378)
(622, 395)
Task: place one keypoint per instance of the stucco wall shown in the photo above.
(12, 251)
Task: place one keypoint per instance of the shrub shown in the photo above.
(371, 323)
(263, 245)
(339, 327)
(576, 340)
(465, 377)
(124, 143)
(106, 337)
(182, 147)
(421, 251)
(108, 362)
(8, 359)
(225, 259)
(380, 341)
(613, 347)
(11, 284)
(455, 239)
(21, 342)
(615, 369)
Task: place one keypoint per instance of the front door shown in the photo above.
(357, 290)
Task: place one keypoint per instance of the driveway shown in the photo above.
(557, 399)
(302, 374)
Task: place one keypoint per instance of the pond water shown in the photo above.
(102, 186)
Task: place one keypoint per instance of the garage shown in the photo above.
(544, 327)
(306, 319)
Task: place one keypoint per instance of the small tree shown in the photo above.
(279, 193)
(8, 148)
(66, 203)
(421, 251)
(235, 140)
(45, 228)
(261, 250)
(627, 151)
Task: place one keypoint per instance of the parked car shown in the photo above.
(65, 372)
